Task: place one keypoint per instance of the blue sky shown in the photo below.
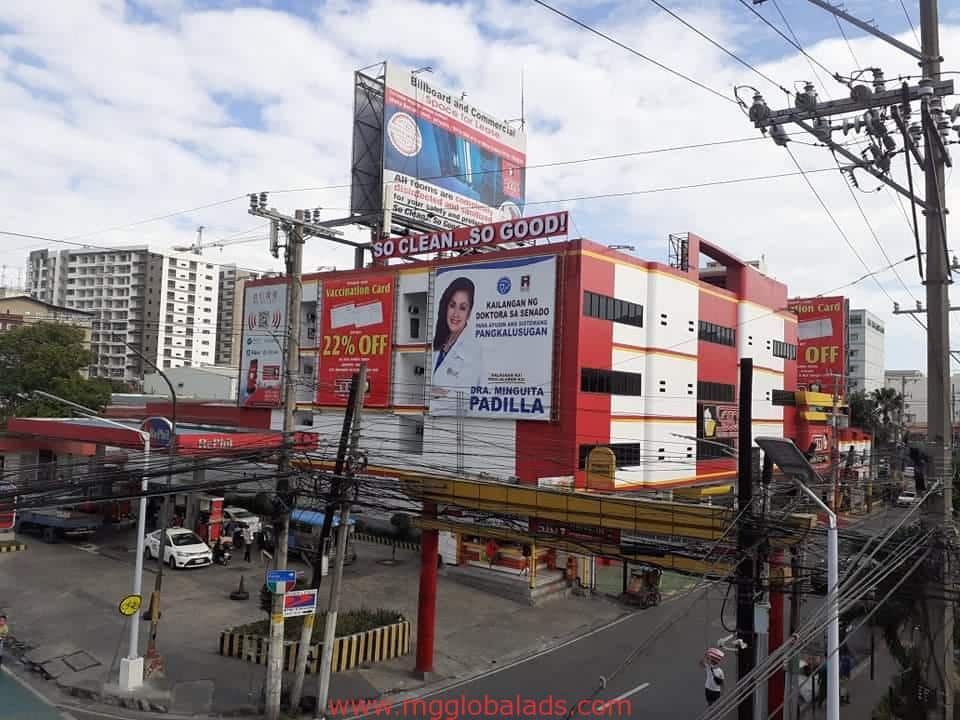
(130, 110)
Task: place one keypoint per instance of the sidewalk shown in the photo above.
(62, 601)
(864, 692)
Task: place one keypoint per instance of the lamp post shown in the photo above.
(131, 667)
(165, 519)
(794, 463)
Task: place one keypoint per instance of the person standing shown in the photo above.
(525, 570)
(491, 551)
(713, 684)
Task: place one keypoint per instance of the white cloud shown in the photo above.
(117, 119)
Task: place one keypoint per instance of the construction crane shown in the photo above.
(197, 247)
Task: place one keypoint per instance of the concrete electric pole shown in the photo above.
(924, 143)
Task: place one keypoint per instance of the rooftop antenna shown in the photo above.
(523, 117)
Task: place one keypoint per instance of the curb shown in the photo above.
(381, 540)
(12, 547)
(350, 651)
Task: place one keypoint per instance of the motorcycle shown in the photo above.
(222, 558)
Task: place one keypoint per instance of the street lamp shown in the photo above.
(131, 667)
(158, 583)
(794, 463)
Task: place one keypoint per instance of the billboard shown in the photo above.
(264, 336)
(493, 339)
(356, 324)
(464, 238)
(445, 162)
(821, 342)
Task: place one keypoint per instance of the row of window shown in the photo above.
(784, 350)
(711, 332)
(611, 382)
(628, 454)
(608, 308)
(715, 392)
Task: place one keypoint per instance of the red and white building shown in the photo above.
(645, 358)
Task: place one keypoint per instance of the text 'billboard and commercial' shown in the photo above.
(493, 340)
(445, 162)
(821, 340)
(356, 325)
(264, 336)
(464, 238)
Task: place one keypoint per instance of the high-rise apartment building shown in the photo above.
(230, 314)
(865, 351)
(164, 305)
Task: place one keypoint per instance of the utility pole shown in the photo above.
(926, 144)
(304, 223)
(834, 447)
(294, 262)
(333, 607)
(937, 511)
(306, 634)
(747, 652)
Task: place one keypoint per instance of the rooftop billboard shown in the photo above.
(447, 163)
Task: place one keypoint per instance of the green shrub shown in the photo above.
(348, 623)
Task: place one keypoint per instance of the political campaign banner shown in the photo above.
(356, 324)
(447, 163)
(821, 343)
(264, 335)
(520, 230)
(493, 339)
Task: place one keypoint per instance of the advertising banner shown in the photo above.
(356, 324)
(264, 335)
(529, 228)
(718, 421)
(445, 162)
(493, 340)
(822, 342)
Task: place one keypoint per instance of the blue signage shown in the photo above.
(160, 429)
(281, 576)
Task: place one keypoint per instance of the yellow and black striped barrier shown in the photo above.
(349, 651)
(12, 547)
(382, 540)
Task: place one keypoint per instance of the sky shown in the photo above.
(135, 122)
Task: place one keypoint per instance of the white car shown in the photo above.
(183, 548)
(248, 522)
(906, 498)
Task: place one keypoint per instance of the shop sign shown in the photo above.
(574, 533)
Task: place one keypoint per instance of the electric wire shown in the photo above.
(633, 51)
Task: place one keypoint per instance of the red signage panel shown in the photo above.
(821, 343)
(356, 324)
(464, 238)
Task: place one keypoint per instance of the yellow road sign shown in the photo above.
(130, 604)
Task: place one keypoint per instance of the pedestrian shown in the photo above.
(713, 685)
(247, 547)
(491, 551)
(525, 570)
(846, 666)
(237, 538)
(4, 634)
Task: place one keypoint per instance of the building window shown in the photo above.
(608, 308)
(628, 454)
(715, 392)
(611, 382)
(711, 332)
(784, 350)
(712, 450)
(856, 320)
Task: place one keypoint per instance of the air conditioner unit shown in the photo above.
(418, 370)
(311, 333)
(418, 431)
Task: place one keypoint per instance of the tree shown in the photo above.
(48, 357)
(862, 411)
(876, 412)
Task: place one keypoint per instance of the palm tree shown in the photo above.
(888, 403)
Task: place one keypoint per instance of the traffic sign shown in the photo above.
(281, 581)
(160, 429)
(299, 602)
(130, 604)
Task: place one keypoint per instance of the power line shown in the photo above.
(721, 47)
(634, 51)
(910, 21)
(856, 63)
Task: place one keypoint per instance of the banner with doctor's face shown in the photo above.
(493, 339)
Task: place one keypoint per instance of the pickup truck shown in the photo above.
(56, 524)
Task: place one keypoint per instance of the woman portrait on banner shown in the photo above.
(457, 360)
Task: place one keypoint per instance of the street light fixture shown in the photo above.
(794, 463)
(726, 448)
(131, 667)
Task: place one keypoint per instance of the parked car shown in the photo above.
(906, 498)
(248, 522)
(182, 548)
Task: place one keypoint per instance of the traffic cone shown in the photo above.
(240, 593)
